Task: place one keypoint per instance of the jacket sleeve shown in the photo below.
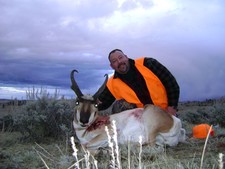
(106, 98)
(167, 79)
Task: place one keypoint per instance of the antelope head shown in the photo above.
(86, 107)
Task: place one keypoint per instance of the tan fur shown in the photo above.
(157, 121)
(151, 122)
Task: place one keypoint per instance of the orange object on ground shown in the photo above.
(201, 131)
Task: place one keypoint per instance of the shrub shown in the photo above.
(196, 117)
(6, 123)
(218, 116)
(44, 118)
(213, 115)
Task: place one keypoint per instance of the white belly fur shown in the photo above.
(130, 126)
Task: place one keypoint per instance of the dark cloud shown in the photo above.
(42, 41)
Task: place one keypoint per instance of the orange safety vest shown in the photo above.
(121, 90)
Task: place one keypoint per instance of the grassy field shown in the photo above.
(16, 152)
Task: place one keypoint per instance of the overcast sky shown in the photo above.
(41, 41)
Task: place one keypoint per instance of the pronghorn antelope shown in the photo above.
(152, 123)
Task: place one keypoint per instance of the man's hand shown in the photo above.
(171, 110)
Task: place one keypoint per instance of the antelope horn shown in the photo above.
(100, 90)
(74, 85)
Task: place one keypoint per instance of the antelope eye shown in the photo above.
(96, 105)
(77, 103)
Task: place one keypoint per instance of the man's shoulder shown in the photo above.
(144, 60)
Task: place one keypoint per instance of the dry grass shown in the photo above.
(15, 153)
(55, 154)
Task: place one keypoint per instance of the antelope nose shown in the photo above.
(84, 120)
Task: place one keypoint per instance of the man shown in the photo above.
(140, 82)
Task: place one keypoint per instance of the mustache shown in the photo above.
(121, 64)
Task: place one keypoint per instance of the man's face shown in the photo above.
(119, 62)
